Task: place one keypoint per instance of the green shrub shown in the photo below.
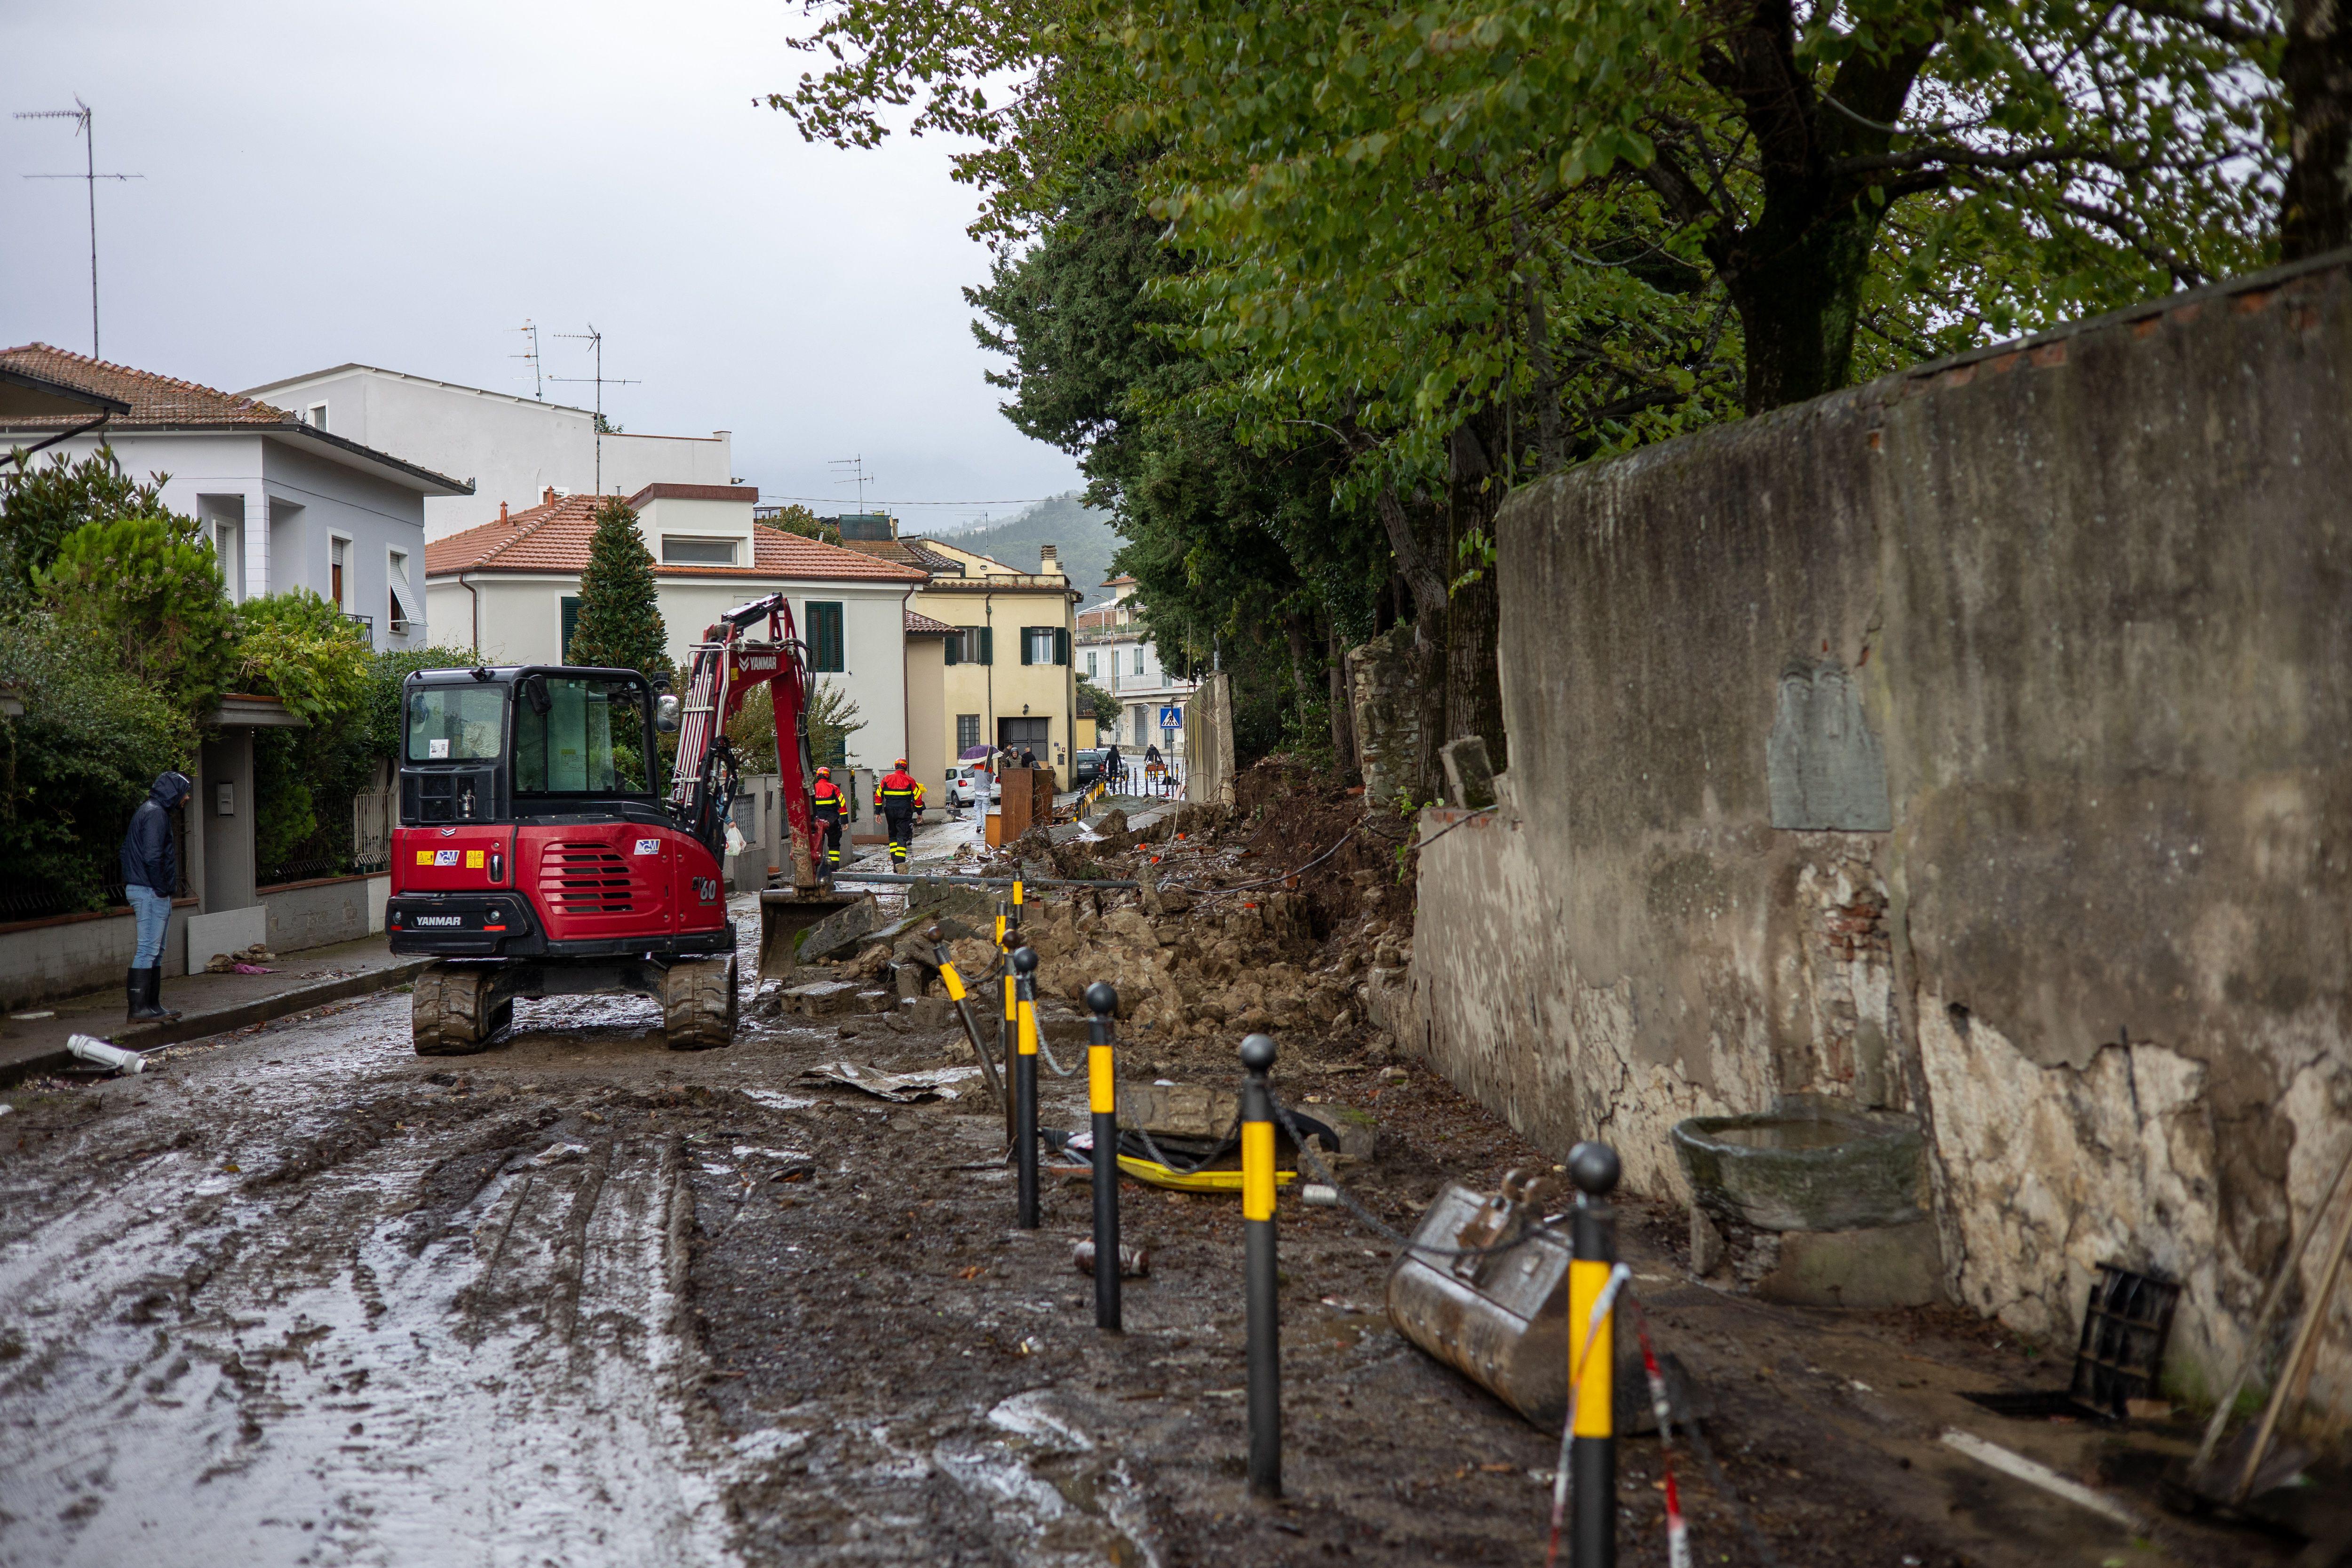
(76, 764)
(147, 594)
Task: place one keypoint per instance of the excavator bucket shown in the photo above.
(1501, 1317)
(784, 914)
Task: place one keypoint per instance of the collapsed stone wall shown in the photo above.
(1976, 743)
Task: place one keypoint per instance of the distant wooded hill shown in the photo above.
(1084, 536)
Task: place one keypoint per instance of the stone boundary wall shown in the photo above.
(1977, 742)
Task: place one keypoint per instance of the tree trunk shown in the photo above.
(1797, 281)
(1294, 631)
(1343, 714)
(2316, 208)
(1474, 686)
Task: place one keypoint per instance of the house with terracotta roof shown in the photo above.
(510, 590)
(285, 504)
(1117, 652)
(1007, 665)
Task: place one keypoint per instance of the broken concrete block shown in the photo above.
(906, 979)
(876, 1001)
(820, 999)
(927, 1012)
(1884, 1266)
(1469, 776)
(838, 934)
(1707, 1245)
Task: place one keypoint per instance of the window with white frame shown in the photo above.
(401, 609)
(339, 551)
(1090, 664)
(1139, 659)
(317, 416)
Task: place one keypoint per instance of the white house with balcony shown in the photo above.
(513, 449)
(511, 589)
(1115, 652)
(286, 504)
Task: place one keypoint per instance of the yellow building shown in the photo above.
(1008, 677)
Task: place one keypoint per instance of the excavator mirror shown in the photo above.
(665, 714)
(534, 693)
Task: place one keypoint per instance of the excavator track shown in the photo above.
(698, 1005)
(447, 1015)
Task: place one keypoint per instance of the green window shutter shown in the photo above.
(953, 645)
(825, 639)
(1061, 644)
(988, 645)
(569, 607)
(1027, 642)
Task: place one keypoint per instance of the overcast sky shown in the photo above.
(406, 184)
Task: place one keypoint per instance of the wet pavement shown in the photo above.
(297, 1295)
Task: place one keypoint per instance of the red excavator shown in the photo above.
(537, 856)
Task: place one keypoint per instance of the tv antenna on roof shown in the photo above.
(857, 476)
(89, 176)
(530, 330)
(596, 338)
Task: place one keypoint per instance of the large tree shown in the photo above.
(620, 624)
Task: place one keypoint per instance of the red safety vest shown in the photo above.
(898, 790)
(828, 798)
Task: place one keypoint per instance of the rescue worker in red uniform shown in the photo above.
(898, 796)
(830, 806)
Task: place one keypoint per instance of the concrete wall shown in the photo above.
(1209, 741)
(511, 447)
(1977, 742)
(44, 959)
(314, 913)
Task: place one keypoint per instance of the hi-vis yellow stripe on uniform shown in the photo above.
(1257, 1170)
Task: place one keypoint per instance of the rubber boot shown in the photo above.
(146, 988)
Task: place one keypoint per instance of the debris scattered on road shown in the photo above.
(30, 1018)
(558, 1154)
(244, 960)
(1134, 1261)
(2035, 1473)
(106, 1056)
(1318, 1194)
(899, 1088)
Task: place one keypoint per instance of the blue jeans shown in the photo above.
(154, 913)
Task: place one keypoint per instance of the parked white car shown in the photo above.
(969, 779)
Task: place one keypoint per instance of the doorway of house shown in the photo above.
(1034, 733)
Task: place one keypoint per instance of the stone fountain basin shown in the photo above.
(1806, 1166)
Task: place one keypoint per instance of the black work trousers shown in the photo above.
(902, 835)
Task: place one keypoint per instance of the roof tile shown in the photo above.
(553, 537)
(153, 399)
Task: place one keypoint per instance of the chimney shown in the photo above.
(502, 511)
(547, 497)
(1049, 560)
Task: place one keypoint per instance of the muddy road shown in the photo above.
(301, 1297)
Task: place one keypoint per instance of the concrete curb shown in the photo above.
(189, 1027)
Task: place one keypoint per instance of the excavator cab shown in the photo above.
(536, 854)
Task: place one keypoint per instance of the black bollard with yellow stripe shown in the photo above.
(1592, 1455)
(1024, 1091)
(1102, 1099)
(1008, 923)
(961, 997)
(1258, 1269)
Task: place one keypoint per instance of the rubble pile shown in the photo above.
(1227, 933)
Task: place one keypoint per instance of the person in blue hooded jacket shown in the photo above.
(151, 875)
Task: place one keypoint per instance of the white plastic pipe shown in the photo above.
(104, 1055)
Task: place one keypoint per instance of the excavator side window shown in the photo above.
(576, 736)
(455, 723)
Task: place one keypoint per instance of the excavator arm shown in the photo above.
(727, 667)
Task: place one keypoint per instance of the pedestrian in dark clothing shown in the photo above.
(150, 866)
(1111, 763)
(1028, 758)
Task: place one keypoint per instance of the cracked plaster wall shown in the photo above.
(2091, 600)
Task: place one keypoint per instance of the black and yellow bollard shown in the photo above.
(961, 997)
(1102, 1099)
(1592, 1455)
(1024, 1090)
(1007, 923)
(1258, 1269)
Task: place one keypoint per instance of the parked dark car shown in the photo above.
(1084, 768)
